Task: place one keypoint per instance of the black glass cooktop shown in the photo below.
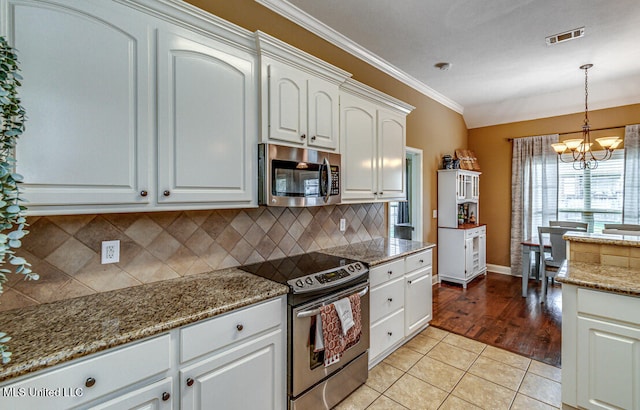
(285, 269)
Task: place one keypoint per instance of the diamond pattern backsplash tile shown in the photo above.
(65, 250)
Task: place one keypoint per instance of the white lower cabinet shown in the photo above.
(232, 361)
(600, 349)
(400, 302)
(462, 254)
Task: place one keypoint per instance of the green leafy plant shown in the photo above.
(12, 211)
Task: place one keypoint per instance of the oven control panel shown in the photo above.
(328, 278)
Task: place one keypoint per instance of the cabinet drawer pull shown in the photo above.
(144, 193)
(409, 282)
(390, 272)
(313, 138)
(165, 396)
(303, 136)
(166, 193)
(190, 382)
(390, 300)
(90, 382)
(381, 193)
(390, 333)
(239, 327)
(421, 261)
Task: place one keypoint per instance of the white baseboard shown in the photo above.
(505, 270)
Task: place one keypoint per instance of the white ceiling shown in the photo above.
(502, 70)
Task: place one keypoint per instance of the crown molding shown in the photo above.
(294, 14)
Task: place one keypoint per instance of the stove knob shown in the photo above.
(309, 281)
(351, 268)
(358, 266)
(299, 283)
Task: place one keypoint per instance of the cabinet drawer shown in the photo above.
(609, 305)
(386, 299)
(386, 333)
(386, 272)
(202, 338)
(418, 260)
(104, 373)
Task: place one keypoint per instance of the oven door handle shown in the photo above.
(313, 312)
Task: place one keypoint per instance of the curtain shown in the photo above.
(631, 201)
(534, 191)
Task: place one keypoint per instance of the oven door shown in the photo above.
(306, 367)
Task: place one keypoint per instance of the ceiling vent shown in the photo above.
(566, 36)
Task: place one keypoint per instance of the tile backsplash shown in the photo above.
(65, 250)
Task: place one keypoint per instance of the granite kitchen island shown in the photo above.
(601, 321)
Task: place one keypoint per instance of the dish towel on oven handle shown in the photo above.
(343, 308)
(335, 342)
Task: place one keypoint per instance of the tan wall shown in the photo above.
(431, 127)
(494, 154)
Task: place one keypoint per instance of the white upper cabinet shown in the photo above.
(299, 96)
(372, 141)
(86, 91)
(105, 82)
(207, 121)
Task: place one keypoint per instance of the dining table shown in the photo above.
(531, 245)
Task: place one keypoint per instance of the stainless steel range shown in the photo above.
(316, 279)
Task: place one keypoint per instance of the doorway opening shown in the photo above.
(405, 217)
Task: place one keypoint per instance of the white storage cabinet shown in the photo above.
(400, 303)
(461, 254)
(457, 187)
(372, 140)
(299, 96)
(600, 349)
(94, 98)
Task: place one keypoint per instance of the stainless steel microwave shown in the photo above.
(289, 176)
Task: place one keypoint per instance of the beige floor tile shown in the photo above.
(523, 402)
(437, 373)
(464, 343)
(403, 358)
(359, 399)
(541, 388)
(452, 355)
(506, 357)
(544, 370)
(497, 372)
(434, 332)
(422, 343)
(456, 403)
(483, 393)
(382, 376)
(385, 403)
(415, 394)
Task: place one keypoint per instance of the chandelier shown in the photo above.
(582, 155)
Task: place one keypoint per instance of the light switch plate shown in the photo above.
(343, 225)
(435, 213)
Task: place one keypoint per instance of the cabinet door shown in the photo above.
(207, 123)
(391, 156)
(87, 99)
(323, 114)
(156, 396)
(608, 365)
(482, 251)
(358, 148)
(475, 187)
(468, 257)
(287, 104)
(247, 376)
(418, 307)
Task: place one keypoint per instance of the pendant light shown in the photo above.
(581, 151)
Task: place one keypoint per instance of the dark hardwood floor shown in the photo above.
(493, 311)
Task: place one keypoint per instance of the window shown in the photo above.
(593, 196)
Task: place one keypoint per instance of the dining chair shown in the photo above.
(575, 226)
(550, 265)
(622, 229)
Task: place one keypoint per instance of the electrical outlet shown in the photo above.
(110, 252)
(343, 225)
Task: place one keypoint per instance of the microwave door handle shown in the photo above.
(328, 187)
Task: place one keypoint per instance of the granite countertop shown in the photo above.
(53, 333)
(615, 279)
(380, 250)
(603, 239)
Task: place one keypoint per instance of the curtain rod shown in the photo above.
(572, 132)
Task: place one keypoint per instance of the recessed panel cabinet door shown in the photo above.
(358, 148)
(391, 146)
(207, 121)
(86, 93)
(287, 104)
(323, 114)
